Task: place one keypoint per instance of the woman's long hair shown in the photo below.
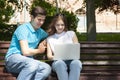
(57, 17)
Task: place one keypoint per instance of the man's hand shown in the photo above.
(42, 46)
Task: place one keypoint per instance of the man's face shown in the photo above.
(38, 21)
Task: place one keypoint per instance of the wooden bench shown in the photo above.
(101, 61)
(4, 75)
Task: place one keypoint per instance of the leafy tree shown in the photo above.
(112, 5)
(101, 5)
(7, 8)
(49, 8)
(5, 11)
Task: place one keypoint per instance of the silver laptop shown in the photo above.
(67, 51)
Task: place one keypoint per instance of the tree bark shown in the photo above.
(91, 20)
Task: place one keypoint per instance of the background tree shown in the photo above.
(6, 10)
(91, 20)
(91, 7)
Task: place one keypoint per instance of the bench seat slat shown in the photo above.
(2, 58)
(101, 68)
(101, 74)
(3, 51)
(101, 51)
(102, 63)
(99, 46)
(4, 46)
(100, 57)
(2, 64)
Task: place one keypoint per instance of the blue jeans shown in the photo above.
(28, 68)
(61, 68)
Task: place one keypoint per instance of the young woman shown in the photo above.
(58, 33)
(24, 44)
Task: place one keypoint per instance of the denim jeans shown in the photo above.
(28, 68)
(61, 68)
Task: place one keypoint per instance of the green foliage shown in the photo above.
(71, 20)
(48, 7)
(81, 37)
(6, 31)
(102, 5)
(107, 5)
(6, 10)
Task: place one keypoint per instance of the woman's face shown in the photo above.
(59, 26)
(38, 21)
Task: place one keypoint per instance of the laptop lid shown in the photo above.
(67, 51)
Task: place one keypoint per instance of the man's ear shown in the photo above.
(32, 17)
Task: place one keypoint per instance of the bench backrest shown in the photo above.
(101, 57)
(4, 45)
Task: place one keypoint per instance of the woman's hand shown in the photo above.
(49, 52)
(50, 57)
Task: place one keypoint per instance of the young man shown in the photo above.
(25, 44)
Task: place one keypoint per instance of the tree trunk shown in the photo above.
(91, 21)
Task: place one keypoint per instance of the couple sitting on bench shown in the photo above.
(26, 38)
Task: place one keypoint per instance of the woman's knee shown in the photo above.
(76, 63)
(59, 64)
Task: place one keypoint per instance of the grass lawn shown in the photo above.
(101, 37)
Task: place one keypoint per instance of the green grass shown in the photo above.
(101, 37)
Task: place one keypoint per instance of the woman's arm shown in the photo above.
(75, 39)
(49, 52)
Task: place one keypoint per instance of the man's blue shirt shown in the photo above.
(25, 32)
